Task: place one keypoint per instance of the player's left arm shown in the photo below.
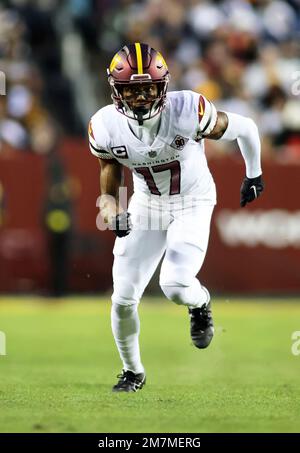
(231, 126)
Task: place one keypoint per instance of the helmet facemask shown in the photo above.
(140, 100)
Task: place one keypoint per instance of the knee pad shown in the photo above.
(174, 281)
(175, 275)
(125, 293)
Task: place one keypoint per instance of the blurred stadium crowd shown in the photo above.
(243, 55)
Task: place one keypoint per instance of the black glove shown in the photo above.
(251, 188)
(121, 224)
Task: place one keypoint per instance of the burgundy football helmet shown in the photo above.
(136, 68)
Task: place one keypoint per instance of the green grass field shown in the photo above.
(61, 363)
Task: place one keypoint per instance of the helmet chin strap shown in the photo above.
(140, 115)
(142, 112)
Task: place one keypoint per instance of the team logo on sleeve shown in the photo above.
(179, 142)
(120, 152)
(91, 133)
(201, 108)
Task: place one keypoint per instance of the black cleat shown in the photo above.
(202, 327)
(129, 382)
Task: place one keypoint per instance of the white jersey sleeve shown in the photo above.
(99, 138)
(204, 114)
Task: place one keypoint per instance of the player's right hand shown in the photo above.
(121, 224)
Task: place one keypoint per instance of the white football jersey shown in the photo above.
(175, 163)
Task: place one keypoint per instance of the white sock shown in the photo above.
(125, 325)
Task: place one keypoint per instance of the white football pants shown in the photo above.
(184, 242)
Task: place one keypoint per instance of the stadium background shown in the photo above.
(58, 360)
(243, 55)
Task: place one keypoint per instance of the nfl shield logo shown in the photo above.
(152, 153)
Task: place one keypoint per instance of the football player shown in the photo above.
(159, 136)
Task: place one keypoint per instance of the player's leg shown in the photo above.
(136, 257)
(187, 241)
